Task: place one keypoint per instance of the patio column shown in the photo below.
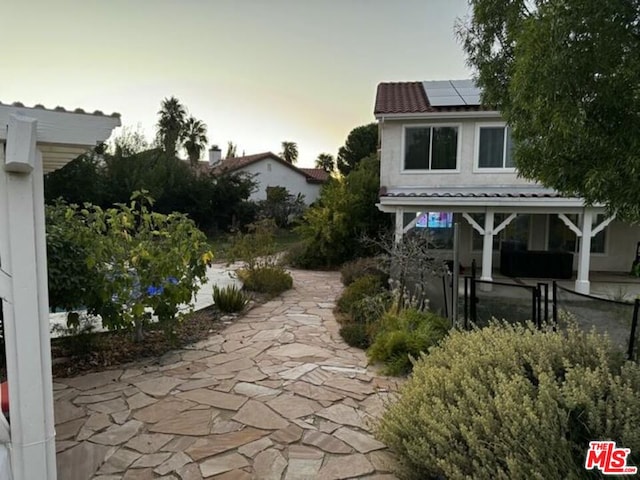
(487, 247)
(399, 229)
(26, 316)
(582, 279)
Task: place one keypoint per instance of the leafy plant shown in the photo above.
(360, 267)
(356, 335)
(269, 280)
(346, 211)
(229, 299)
(262, 271)
(139, 263)
(402, 337)
(511, 401)
(364, 286)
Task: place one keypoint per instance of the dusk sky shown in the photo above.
(256, 72)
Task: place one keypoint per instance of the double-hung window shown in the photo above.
(431, 148)
(495, 147)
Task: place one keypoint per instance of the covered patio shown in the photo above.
(480, 207)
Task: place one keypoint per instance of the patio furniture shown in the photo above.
(536, 263)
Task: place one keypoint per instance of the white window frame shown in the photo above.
(410, 171)
(576, 250)
(476, 160)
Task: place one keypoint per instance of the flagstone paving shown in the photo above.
(276, 395)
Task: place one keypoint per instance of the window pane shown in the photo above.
(560, 237)
(491, 147)
(445, 148)
(598, 242)
(417, 148)
(508, 158)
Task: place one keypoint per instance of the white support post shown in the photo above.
(487, 246)
(399, 228)
(582, 279)
(26, 323)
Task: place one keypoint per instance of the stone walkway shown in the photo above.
(277, 395)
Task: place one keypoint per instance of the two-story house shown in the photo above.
(445, 158)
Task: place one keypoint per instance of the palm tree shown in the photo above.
(171, 124)
(289, 152)
(195, 139)
(231, 150)
(326, 162)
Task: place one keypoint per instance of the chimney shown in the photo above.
(214, 155)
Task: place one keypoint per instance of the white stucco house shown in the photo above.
(443, 153)
(269, 170)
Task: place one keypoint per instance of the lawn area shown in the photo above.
(220, 244)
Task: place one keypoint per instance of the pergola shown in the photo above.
(35, 140)
(512, 201)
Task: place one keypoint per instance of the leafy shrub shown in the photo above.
(509, 401)
(360, 267)
(362, 287)
(356, 335)
(403, 336)
(271, 280)
(346, 211)
(229, 299)
(369, 309)
(139, 262)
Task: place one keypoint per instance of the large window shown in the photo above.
(517, 231)
(431, 148)
(561, 238)
(495, 148)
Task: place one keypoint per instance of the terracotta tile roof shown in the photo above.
(410, 97)
(61, 109)
(232, 164)
(312, 175)
(317, 174)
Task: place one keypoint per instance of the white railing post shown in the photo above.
(28, 349)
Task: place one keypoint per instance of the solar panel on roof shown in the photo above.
(452, 93)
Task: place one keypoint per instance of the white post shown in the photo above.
(399, 230)
(26, 315)
(582, 280)
(487, 247)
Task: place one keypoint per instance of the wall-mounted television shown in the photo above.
(435, 220)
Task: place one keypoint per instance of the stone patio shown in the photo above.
(277, 395)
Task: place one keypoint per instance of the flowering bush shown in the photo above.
(141, 263)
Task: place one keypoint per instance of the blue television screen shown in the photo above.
(435, 220)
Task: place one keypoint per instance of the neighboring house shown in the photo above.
(269, 170)
(443, 152)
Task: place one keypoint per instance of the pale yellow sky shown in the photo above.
(257, 72)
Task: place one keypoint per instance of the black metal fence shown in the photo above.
(517, 303)
(512, 302)
(617, 319)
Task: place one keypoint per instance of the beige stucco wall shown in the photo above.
(270, 173)
(392, 158)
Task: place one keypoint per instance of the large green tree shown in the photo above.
(289, 152)
(566, 76)
(195, 139)
(361, 142)
(171, 124)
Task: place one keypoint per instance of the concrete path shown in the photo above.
(277, 395)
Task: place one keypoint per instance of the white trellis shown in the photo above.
(25, 134)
